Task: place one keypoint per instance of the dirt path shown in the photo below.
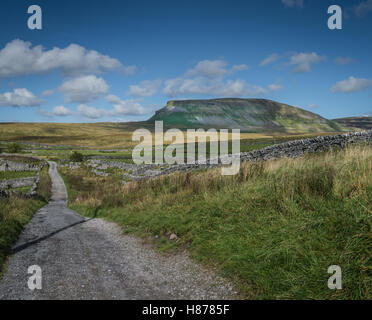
(91, 259)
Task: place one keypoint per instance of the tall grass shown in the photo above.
(17, 211)
(274, 228)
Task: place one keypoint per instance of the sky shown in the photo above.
(96, 61)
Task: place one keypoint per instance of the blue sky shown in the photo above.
(122, 60)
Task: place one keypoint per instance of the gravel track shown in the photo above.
(91, 259)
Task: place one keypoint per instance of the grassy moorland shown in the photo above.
(17, 211)
(75, 134)
(274, 228)
(102, 135)
(248, 142)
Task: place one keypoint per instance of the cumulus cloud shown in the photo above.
(343, 60)
(293, 3)
(208, 77)
(302, 61)
(19, 98)
(214, 68)
(120, 108)
(19, 58)
(90, 112)
(238, 67)
(83, 89)
(270, 59)
(351, 85)
(59, 111)
(275, 87)
(146, 88)
(124, 107)
(202, 86)
(47, 93)
(62, 111)
(238, 88)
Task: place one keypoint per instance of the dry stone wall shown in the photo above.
(7, 185)
(17, 183)
(7, 165)
(291, 149)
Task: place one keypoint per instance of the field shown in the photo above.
(58, 141)
(102, 135)
(273, 229)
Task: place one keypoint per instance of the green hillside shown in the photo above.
(356, 122)
(249, 115)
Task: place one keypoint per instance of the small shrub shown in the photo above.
(14, 148)
(76, 157)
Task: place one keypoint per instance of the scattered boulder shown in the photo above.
(173, 237)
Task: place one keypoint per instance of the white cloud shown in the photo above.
(19, 58)
(343, 60)
(61, 111)
(90, 112)
(179, 86)
(124, 107)
(202, 86)
(351, 85)
(19, 98)
(238, 67)
(213, 69)
(238, 88)
(302, 61)
(275, 87)
(146, 88)
(84, 89)
(47, 93)
(208, 78)
(293, 3)
(270, 59)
